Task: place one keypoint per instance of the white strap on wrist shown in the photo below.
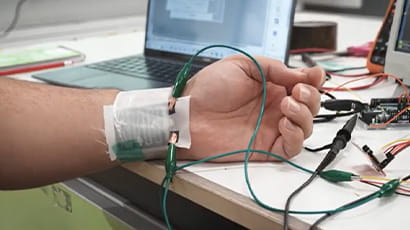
(137, 125)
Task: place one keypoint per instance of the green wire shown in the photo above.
(258, 122)
(337, 210)
(242, 151)
(249, 150)
(167, 181)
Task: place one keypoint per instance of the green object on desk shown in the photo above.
(388, 188)
(336, 176)
(31, 57)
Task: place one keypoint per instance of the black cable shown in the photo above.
(406, 177)
(328, 76)
(308, 60)
(325, 118)
(346, 69)
(16, 17)
(329, 117)
(353, 106)
(292, 67)
(327, 215)
(338, 143)
(294, 193)
(319, 148)
(343, 105)
(331, 96)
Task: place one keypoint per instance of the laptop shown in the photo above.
(398, 49)
(176, 29)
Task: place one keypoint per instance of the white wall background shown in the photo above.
(56, 19)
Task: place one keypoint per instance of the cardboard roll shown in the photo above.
(314, 34)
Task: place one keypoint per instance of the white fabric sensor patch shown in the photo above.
(137, 125)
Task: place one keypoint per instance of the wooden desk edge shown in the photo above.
(225, 202)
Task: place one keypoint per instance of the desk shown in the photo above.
(221, 187)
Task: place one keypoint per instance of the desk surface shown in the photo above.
(221, 187)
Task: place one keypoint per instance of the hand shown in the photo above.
(225, 103)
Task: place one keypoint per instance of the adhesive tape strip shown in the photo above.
(314, 34)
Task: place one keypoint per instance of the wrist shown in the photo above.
(137, 125)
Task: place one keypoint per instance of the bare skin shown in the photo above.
(50, 134)
(225, 104)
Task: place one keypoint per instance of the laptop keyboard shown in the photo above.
(143, 67)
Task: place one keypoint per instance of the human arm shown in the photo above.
(50, 133)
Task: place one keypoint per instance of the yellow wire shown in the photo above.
(349, 90)
(380, 178)
(374, 178)
(394, 142)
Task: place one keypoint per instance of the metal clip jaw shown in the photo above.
(170, 161)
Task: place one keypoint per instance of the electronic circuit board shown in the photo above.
(382, 110)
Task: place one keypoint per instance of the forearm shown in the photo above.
(50, 133)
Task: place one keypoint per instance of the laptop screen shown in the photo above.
(184, 26)
(398, 49)
(403, 38)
